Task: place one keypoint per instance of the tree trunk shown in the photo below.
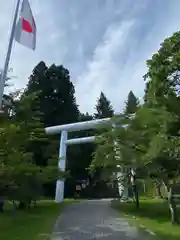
(120, 196)
(158, 190)
(134, 188)
(22, 205)
(136, 195)
(172, 204)
(144, 186)
(172, 207)
(1, 205)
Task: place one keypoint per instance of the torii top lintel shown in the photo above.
(72, 127)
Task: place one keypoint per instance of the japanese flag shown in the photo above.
(26, 28)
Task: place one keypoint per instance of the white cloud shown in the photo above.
(103, 70)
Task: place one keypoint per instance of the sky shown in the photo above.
(103, 43)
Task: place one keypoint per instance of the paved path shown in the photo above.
(93, 219)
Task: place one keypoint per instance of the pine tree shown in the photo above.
(53, 103)
(103, 108)
(56, 100)
(131, 104)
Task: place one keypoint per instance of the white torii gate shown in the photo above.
(64, 142)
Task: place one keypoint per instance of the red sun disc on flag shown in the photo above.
(26, 26)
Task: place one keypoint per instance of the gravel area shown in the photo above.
(94, 219)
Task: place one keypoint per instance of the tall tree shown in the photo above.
(162, 93)
(132, 103)
(131, 107)
(103, 107)
(54, 103)
(55, 92)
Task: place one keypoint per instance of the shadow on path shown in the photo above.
(94, 219)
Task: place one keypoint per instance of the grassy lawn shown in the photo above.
(153, 214)
(33, 224)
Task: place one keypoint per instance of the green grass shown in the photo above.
(153, 214)
(32, 224)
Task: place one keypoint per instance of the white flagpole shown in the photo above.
(6, 64)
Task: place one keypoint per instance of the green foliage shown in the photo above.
(150, 139)
(24, 164)
(131, 104)
(163, 75)
(20, 178)
(103, 108)
(55, 94)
